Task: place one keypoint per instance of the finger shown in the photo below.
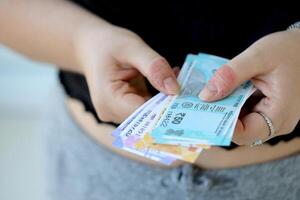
(125, 74)
(243, 67)
(153, 66)
(176, 71)
(127, 105)
(253, 127)
(125, 100)
(250, 103)
(140, 86)
(249, 129)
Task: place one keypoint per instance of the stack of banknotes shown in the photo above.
(167, 128)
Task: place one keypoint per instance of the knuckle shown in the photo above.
(226, 75)
(103, 116)
(115, 86)
(258, 52)
(288, 129)
(101, 110)
(287, 125)
(224, 79)
(239, 142)
(157, 65)
(159, 69)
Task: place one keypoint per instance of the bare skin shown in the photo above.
(116, 62)
(273, 65)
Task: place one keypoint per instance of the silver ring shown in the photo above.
(271, 127)
(269, 123)
(256, 143)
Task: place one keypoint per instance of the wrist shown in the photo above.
(87, 41)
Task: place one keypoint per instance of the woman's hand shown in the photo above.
(273, 65)
(114, 61)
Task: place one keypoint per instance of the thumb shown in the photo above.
(153, 66)
(127, 105)
(241, 68)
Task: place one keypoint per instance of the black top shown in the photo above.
(175, 28)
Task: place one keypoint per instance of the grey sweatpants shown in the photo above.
(79, 168)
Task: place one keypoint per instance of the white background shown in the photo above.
(23, 91)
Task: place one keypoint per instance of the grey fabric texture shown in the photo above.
(80, 169)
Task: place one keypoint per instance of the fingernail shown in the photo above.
(209, 91)
(171, 85)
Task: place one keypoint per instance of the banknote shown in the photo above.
(189, 118)
(139, 122)
(185, 153)
(143, 143)
(188, 63)
(205, 144)
(167, 128)
(131, 132)
(137, 119)
(182, 75)
(128, 120)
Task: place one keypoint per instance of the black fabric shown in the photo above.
(175, 28)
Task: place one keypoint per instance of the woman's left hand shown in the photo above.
(273, 65)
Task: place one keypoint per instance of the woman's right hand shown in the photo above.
(115, 61)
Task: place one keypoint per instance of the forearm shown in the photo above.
(46, 30)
